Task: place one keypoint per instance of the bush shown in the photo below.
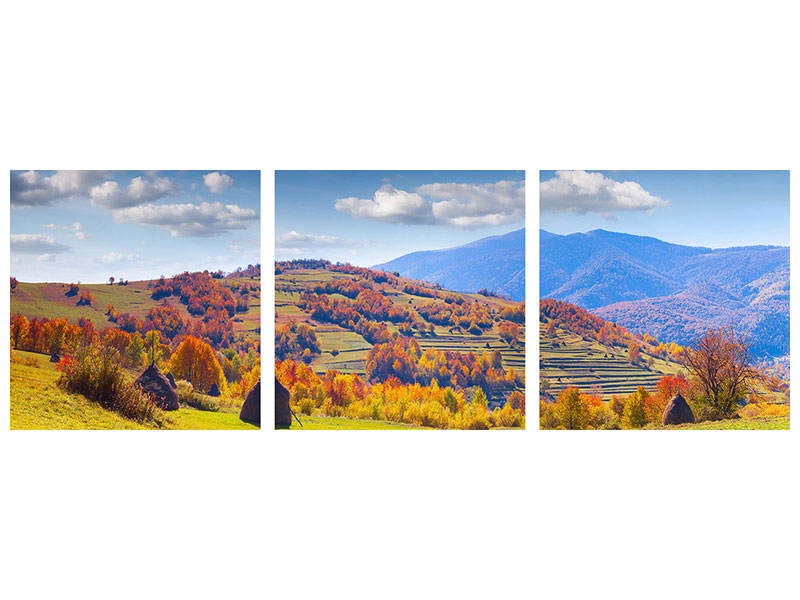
(95, 373)
(187, 396)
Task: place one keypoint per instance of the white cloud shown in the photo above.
(450, 204)
(111, 195)
(82, 235)
(206, 219)
(216, 182)
(388, 204)
(476, 205)
(236, 248)
(582, 192)
(35, 243)
(46, 257)
(76, 226)
(297, 242)
(31, 188)
(115, 257)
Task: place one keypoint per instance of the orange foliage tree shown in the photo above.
(195, 361)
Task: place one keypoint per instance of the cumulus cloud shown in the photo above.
(36, 243)
(111, 195)
(216, 182)
(207, 219)
(476, 205)
(296, 242)
(30, 188)
(450, 204)
(82, 235)
(581, 192)
(388, 204)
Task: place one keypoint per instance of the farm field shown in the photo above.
(567, 359)
(352, 348)
(345, 351)
(48, 300)
(38, 403)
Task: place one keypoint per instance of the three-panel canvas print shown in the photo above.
(400, 300)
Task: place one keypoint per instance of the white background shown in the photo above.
(367, 85)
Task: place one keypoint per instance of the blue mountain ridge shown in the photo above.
(671, 291)
(496, 263)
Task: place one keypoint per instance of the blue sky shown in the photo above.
(369, 217)
(717, 209)
(89, 225)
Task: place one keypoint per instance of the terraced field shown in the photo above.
(566, 359)
(352, 348)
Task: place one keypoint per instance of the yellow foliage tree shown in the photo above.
(196, 362)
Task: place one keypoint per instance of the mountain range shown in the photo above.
(495, 263)
(670, 291)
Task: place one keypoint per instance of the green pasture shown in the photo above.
(37, 403)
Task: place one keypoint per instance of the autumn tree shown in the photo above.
(634, 354)
(573, 409)
(721, 361)
(634, 415)
(195, 361)
(134, 352)
(19, 329)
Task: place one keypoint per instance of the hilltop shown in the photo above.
(668, 290)
(136, 298)
(495, 263)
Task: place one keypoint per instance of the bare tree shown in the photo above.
(721, 360)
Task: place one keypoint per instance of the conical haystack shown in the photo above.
(677, 412)
(283, 414)
(251, 409)
(214, 391)
(153, 382)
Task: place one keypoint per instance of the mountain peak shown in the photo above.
(496, 263)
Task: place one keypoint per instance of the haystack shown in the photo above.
(283, 414)
(251, 409)
(171, 380)
(54, 358)
(153, 382)
(214, 391)
(677, 412)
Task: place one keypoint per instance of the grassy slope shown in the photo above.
(737, 424)
(353, 348)
(37, 403)
(312, 423)
(567, 360)
(38, 300)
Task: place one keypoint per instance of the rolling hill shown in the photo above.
(670, 291)
(496, 263)
(571, 356)
(360, 348)
(48, 300)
